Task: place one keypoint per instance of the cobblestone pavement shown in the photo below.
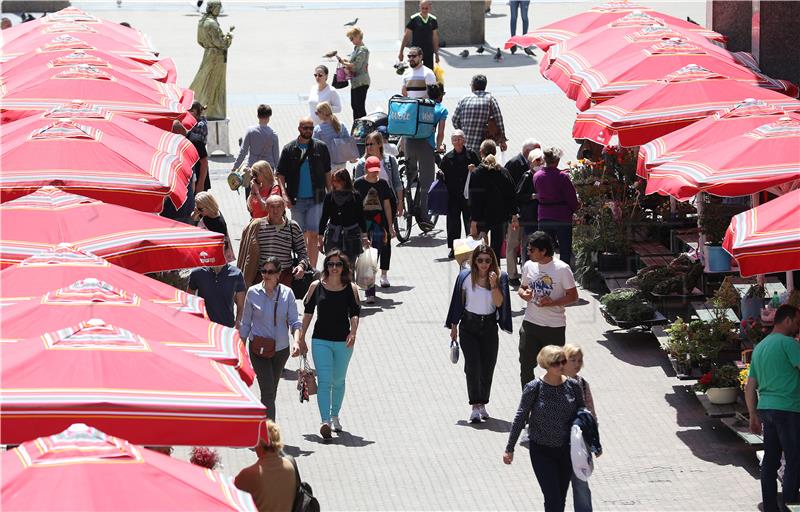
(407, 445)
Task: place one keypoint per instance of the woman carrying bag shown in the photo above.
(480, 303)
(341, 145)
(270, 313)
(342, 224)
(550, 405)
(335, 300)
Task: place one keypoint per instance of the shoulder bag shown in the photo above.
(298, 286)
(492, 130)
(264, 347)
(340, 78)
(304, 500)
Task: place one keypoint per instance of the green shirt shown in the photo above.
(360, 60)
(776, 368)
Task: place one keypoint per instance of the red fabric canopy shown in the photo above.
(82, 468)
(132, 239)
(766, 238)
(98, 154)
(631, 71)
(61, 266)
(126, 385)
(90, 297)
(597, 17)
(680, 99)
(719, 127)
(767, 156)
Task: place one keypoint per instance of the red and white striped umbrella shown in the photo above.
(132, 239)
(766, 238)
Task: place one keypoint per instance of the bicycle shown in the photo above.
(411, 199)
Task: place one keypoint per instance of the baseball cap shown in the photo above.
(373, 164)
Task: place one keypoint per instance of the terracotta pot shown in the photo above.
(722, 396)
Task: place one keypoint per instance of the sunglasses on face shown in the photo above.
(318, 75)
(304, 128)
(413, 56)
(269, 271)
(370, 144)
(560, 362)
(483, 260)
(335, 264)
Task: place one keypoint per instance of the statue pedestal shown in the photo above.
(218, 137)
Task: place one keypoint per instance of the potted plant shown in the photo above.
(681, 348)
(721, 385)
(713, 222)
(752, 302)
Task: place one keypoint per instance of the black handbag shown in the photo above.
(300, 286)
(304, 500)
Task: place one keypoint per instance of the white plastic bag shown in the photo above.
(582, 463)
(367, 268)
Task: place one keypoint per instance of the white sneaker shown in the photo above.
(369, 299)
(484, 414)
(385, 281)
(337, 426)
(475, 416)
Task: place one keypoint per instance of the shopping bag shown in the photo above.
(453, 351)
(367, 268)
(463, 247)
(437, 198)
(306, 380)
(344, 149)
(582, 463)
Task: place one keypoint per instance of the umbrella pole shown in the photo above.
(701, 239)
(760, 278)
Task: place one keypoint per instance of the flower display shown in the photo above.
(725, 376)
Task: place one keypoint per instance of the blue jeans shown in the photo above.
(781, 435)
(581, 495)
(331, 359)
(552, 467)
(307, 213)
(560, 232)
(523, 7)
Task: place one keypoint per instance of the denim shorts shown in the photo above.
(307, 214)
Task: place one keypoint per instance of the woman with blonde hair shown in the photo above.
(480, 303)
(262, 185)
(492, 198)
(357, 63)
(206, 213)
(550, 405)
(333, 133)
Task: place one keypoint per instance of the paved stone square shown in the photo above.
(407, 444)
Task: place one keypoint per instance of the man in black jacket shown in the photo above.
(516, 167)
(456, 166)
(304, 172)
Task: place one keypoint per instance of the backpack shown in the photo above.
(304, 500)
(411, 117)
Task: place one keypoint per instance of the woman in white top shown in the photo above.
(320, 92)
(482, 294)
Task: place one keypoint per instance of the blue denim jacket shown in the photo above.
(456, 310)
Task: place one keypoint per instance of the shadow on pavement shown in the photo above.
(396, 289)
(379, 305)
(342, 438)
(493, 424)
(637, 348)
(485, 60)
(295, 451)
(425, 241)
(223, 159)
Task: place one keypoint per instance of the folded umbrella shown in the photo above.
(99, 154)
(83, 468)
(766, 238)
(120, 382)
(132, 239)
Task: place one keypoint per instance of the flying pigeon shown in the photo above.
(351, 23)
(330, 55)
(480, 49)
(498, 56)
(464, 54)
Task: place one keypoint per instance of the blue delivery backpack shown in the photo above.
(411, 117)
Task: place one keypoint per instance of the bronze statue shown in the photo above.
(209, 83)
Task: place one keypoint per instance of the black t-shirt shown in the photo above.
(216, 224)
(335, 311)
(373, 195)
(422, 31)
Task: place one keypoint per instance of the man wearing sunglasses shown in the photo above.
(422, 30)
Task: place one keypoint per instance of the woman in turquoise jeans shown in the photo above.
(336, 300)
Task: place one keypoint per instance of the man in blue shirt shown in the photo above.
(220, 287)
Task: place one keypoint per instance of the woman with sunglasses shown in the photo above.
(320, 92)
(550, 405)
(480, 303)
(270, 313)
(208, 216)
(335, 298)
(262, 185)
(389, 172)
(342, 224)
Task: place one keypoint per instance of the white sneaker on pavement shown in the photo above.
(385, 281)
(484, 414)
(475, 416)
(337, 426)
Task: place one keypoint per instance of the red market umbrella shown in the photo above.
(33, 61)
(631, 71)
(765, 157)
(98, 154)
(720, 126)
(766, 238)
(136, 240)
(597, 17)
(91, 298)
(63, 265)
(83, 468)
(113, 89)
(679, 99)
(593, 48)
(120, 382)
(93, 32)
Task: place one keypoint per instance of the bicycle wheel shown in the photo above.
(404, 223)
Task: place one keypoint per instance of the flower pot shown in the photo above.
(751, 308)
(609, 262)
(719, 260)
(722, 396)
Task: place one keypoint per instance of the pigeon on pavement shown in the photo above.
(498, 56)
(464, 54)
(480, 49)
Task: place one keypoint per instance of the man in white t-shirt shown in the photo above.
(417, 77)
(547, 286)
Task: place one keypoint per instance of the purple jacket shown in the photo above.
(556, 194)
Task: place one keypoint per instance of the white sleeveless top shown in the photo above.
(478, 299)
